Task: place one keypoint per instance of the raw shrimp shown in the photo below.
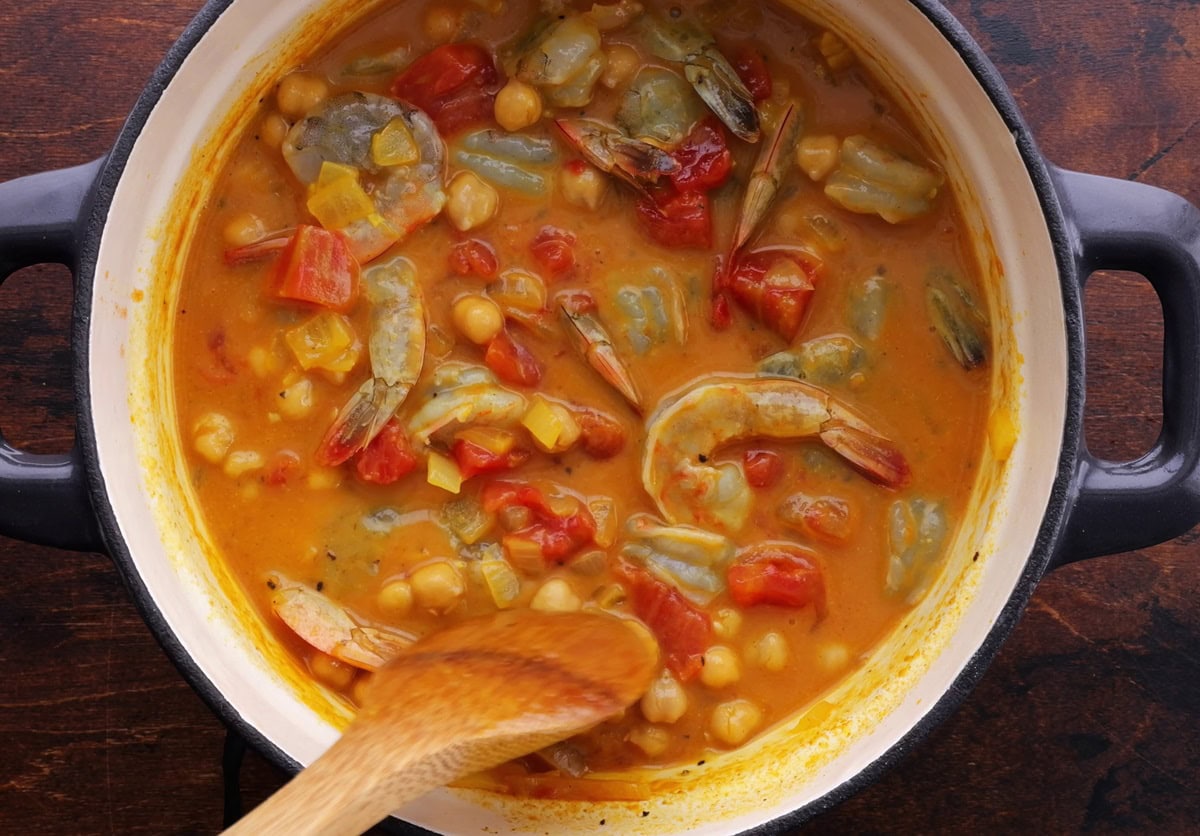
(331, 629)
(379, 162)
(464, 394)
(682, 437)
(706, 69)
(397, 349)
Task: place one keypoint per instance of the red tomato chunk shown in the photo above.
(511, 361)
(558, 537)
(683, 631)
(388, 457)
(763, 468)
(786, 576)
(474, 258)
(317, 267)
(455, 84)
(774, 286)
(554, 249)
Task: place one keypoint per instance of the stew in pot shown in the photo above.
(656, 308)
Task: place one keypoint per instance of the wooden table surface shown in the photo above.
(1088, 719)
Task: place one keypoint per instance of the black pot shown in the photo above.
(122, 490)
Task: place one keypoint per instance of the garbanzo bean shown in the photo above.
(243, 228)
(273, 130)
(734, 721)
(242, 461)
(653, 740)
(817, 156)
(442, 23)
(555, 595)
(299, 93)
(518, 105)
(437, 586)
(333, 673)
(396, 597)
(721, 667)
(666, 701)
(727, 622)
(477, 318)
(769, 651)
(622, 62)
(582, 185)
(213, 436)
(470, 202)
(296, 401)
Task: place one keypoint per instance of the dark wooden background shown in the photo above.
(1089, 719)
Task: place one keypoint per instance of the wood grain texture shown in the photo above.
(1089, 718)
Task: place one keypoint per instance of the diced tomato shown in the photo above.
(763, 468)
(748, 63)
(474, 459)
(388, 457)
(283, 467)
(772, 285)
(600, 436)
(683, 630)
(558, 537)
(456, 84)
(318, 267)
(511, 361)
(782, 575)
(703, 157)
(554, 249)
(827, 518)
(676, 219)
(474, 258)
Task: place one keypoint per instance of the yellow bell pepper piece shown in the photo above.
(542, 423)
(497, 441)
(337, 199)
(502, 582)
(443, 473)
(393, 144)
(325, 341)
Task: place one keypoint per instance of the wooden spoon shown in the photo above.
(473, 696)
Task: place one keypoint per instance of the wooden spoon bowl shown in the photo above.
(473, 696)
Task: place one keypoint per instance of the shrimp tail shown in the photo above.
(358, 422)
(875, 457)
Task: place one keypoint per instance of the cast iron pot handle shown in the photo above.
(1123, 225)
(44, 498)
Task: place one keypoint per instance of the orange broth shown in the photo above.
(279, 516)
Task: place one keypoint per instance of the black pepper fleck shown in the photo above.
(320, 585)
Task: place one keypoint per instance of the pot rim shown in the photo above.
(1050, 532)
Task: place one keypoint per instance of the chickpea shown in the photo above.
(396, 597)
(817, 156)
(470, 202)
(477, 318)
(727, 623)
(263, 362)
(734, 721)
(721, 667)
(298, 93)
(653, 740)
(333, 673)
(442, 23)
(213, 436)
(582, 185)
(242, 461)
(622, 62)
(518, 105)
(243, 228)
(296, 401)
(666, 701)
(438, 586)
(555, 595)
(769, 651)
(833, 656)
(273, 131)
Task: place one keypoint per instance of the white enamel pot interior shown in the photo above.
(185, 124)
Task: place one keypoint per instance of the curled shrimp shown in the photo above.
(706, 69)
(462, 394)
(331, 629)
(393, 156)
(397, 350)
(681, 438)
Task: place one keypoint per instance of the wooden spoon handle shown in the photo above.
(320, 799)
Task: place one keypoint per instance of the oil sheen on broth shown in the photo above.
(506, 304)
